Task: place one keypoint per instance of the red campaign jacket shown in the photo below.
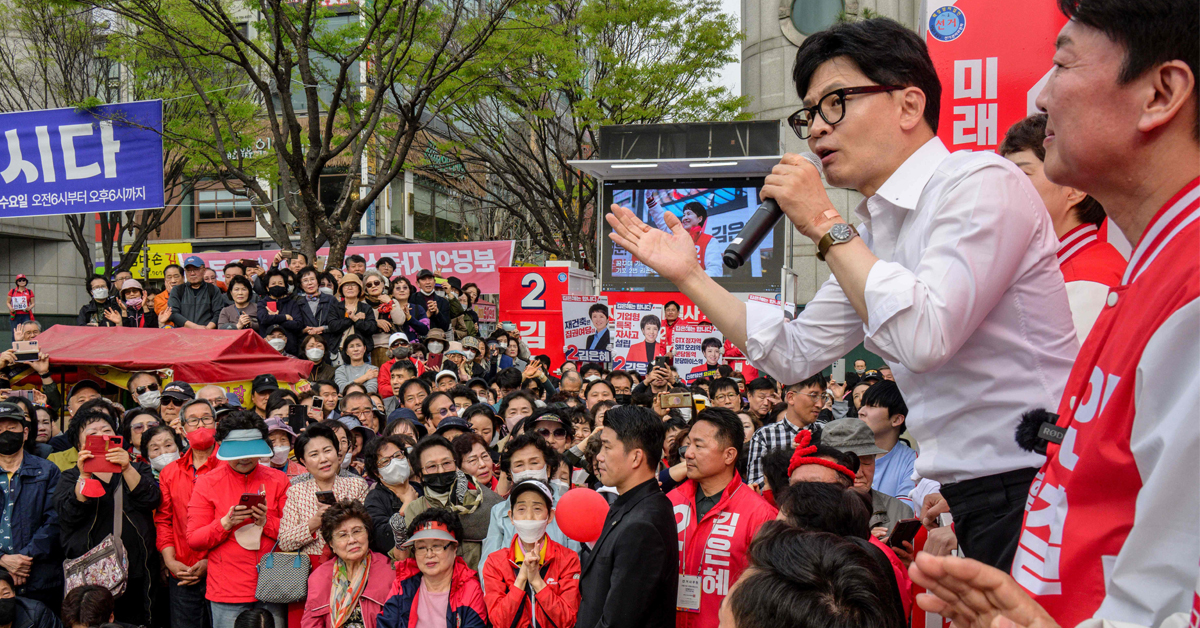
(233, 570)
(464, 609)
(177, 481)
(557, 603)
(715, 548)
(1090, 267)
(1110, 522)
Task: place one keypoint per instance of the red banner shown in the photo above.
(992, 56)
(531, 297)
(472, 262)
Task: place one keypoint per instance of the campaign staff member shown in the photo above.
(968, 307)
(599, 340)
(694, 218)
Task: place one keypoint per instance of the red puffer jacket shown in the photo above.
(557, 603)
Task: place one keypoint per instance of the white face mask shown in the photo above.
(435, 347)
(559, 486)
(470, 354)
(314, 353)
(592, 378)
(325, 290)
(149, 399)
(281, 455)
(160, 462)
(686, 412)
(531, 531)
(346, 461)
(277, 343)
(100, 294)
(860, 371)
(396, 472)
(529, 474)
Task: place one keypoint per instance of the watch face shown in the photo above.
(841, 232)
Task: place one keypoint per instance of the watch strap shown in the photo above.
(827, 241)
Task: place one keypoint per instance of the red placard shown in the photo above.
(992, 57)
(531, 297)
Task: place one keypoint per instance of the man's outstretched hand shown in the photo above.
(974, 595)
(672, 255)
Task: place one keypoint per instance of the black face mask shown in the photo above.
(277, 291)
(440, 482)
(10, 443)
(623, 400)
(8, 610)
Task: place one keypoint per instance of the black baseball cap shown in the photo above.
(452, 423)
(423, 273)
(10, 411)
(179, 390)
(264, 383)
(871, 375)
(83, 384)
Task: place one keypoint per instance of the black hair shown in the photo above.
(440, 515)
(84, 418)
(528, 439)
(711, 342)
(425, 444)
(279, 398)
(729, 427)
(817, 380)
(544, 359)
(625, 374)
(255, 618)
(461, 390)
(418, 429)
(774, 469)
(1151, 32)
(240, 419)
(356, 259)
(725, 370)
(723, 383)
(405, 365)
(650, 319)
(346, 343)
(416, 381)
(699, 210)
(354, 395)
(670, 303)
(7, 577)
(762, 382)
(87, 605)
(1028, 134)
(509, 378)
(462, 445)
(93, 278)
(266, 280)
(886, 394)
(510, 397)
(638, 428)
(429, 401)
(239, 280)
(885, 52)
(234, 264)
(341, 512)
(316, 430)
(371, 451)
(481, 408)
(598, 307)
(175, 266)
(149, 435)
(825, 507)
(385, 260)
(598, 382)
(803, 578)
(591, 366)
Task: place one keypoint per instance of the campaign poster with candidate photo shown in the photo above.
(636, 329)
(587, 328)
(698, 351)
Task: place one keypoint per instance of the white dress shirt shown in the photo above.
(967, 305)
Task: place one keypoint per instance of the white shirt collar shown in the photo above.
(904, 187)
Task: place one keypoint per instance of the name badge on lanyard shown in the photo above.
(688, 597)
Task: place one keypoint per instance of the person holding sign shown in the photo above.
(951, 276)
(20, 304)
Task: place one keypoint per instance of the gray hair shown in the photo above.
(387, 285)
(196, 402)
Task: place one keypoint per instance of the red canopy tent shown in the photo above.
(195, 356)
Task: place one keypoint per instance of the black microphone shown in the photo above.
(759, 226)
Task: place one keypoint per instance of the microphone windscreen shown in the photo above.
(815, 161)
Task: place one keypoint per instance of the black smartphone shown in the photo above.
(297, 417)
(905, 530)
(326, 497)
(665, 361)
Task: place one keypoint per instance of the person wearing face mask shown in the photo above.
(526, 457)
(281, 436)
(435, 343)
(187, 568)
(22, 611)
(280, 308)
(29, 554)
(136, 313)
(313, 349)
(535, 580)
(160, 446)
(386, 460)
(145, 387)
(101, 310)
(398, 349)
(448, 487)
(852, 379)
(277, 338)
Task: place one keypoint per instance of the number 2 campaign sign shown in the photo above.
(67, 161)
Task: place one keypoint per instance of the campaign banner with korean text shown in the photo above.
(635, 336)
(472, 262)
(531, 299)
(587, 335)
(67, 161)
(699, 350)
(993, 57)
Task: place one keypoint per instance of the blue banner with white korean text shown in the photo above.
(68, 161)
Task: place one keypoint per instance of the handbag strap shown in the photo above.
(119, 507)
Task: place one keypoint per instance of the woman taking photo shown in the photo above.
(386, 460)
(435, 588)
(349, 591)
(355, 368)
(416, 321)
(243, 314)
(535, 581)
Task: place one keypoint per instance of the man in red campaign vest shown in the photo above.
(1090, 266)
(716, 515)
(1110, 524)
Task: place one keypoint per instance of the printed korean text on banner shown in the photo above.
(698, 351)
(487, 311)
(68, 161)
(635, 343)
(472, 262)
(587, 329)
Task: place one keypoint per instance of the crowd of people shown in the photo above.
(429, 475)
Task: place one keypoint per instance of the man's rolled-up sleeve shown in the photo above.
(791, 351)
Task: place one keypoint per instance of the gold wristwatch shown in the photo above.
(839, 233)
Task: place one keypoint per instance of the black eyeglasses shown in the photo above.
(831, 107)
(143, 389)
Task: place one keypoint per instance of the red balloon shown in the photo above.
(580, 514)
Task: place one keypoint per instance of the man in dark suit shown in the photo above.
(629, 577)
(599, 315)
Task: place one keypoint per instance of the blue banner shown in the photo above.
(64, 161)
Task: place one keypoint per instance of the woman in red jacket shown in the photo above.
(535, 574)
(234, 535)
(350, 590)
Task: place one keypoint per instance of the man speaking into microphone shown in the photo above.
(952, 277)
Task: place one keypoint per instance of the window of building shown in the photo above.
(221, 214)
